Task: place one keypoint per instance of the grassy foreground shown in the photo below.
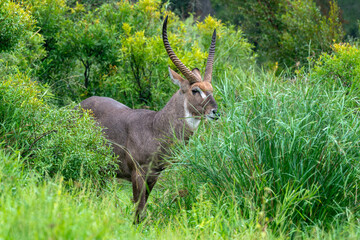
(282, 162)
(35, 209)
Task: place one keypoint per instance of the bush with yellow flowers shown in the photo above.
(140, 77)
(341, 67)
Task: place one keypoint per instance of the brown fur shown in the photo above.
(141, 138)
(204, 86)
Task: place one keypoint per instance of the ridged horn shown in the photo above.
(183, 69)
(210, 60)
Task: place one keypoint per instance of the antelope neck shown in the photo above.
(191, 122)
(174, 116)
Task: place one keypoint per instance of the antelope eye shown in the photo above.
(195, 90)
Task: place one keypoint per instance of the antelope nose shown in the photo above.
(214, 113)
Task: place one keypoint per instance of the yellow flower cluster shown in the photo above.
(150, 7)
(136, 41)
(345, 48)
(78, 8)
(209, 24)
(127, 29)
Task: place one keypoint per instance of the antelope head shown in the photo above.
(198, 91)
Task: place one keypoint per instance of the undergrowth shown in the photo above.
(281, 162)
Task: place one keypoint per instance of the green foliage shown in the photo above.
(88, 4)
(49, 15)
(89, 42)
(31, 208)
(14, 23)
(10, 170)
(26, 55)
(298, 40)
(57, 141)
(340, 68)
(182, 8)
(231, 47)
(54, 69)
(20, 44)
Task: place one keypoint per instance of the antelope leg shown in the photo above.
(139, 192)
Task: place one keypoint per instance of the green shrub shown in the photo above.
(25, 56)
(233, 51)
(341, 68)
(56, 141)
(49, 15)
(14, 23)
(20, 44)
(298, 40)
(90, 43)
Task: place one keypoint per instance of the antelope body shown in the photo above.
(142, 137)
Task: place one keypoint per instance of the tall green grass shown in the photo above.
(287, 153)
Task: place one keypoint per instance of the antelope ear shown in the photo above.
(197, 73)
(177, 79)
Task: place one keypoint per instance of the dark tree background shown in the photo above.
(230, 10)
(200, 8)
(350, 14)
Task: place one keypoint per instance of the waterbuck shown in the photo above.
(141, 138)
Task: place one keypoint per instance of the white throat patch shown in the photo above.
(192, 122)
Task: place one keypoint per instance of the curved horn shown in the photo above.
(210, 60)
(183, 69)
